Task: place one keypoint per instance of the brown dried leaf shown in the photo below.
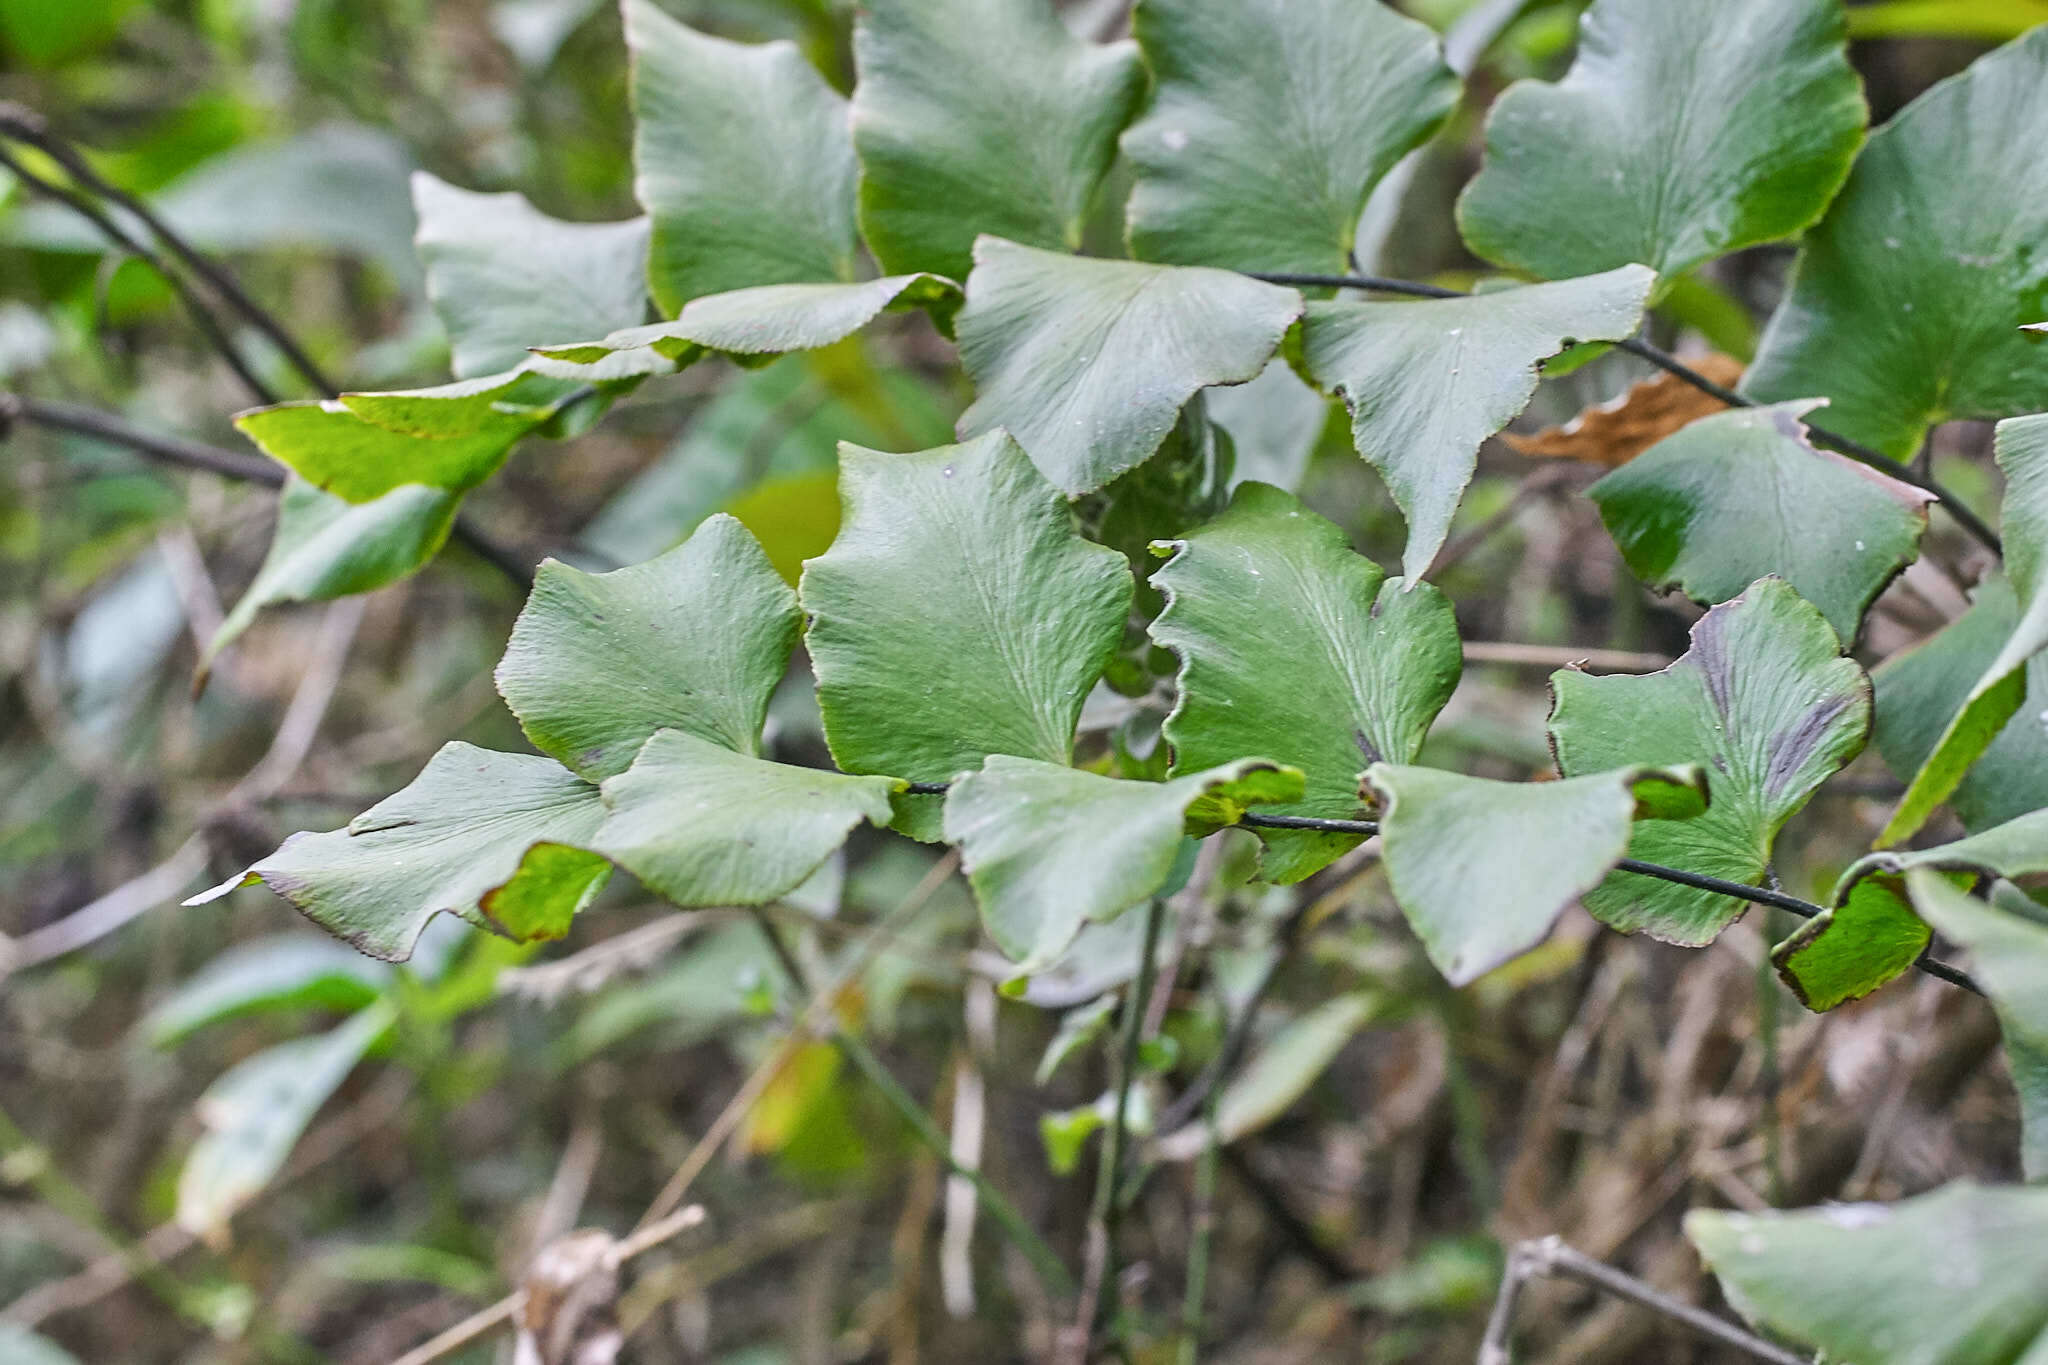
(1613, 433)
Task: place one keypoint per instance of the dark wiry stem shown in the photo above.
(120, 237)
(25, 125)
(1672, 365)
(233, 464)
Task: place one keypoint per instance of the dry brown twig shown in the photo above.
(1550, 1257)
(110, 1272)
(288, 749)
(663, 1220)
(809, 1025)
(565, 1287)
(593, 968)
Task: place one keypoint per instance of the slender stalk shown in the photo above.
(1378, 284)
(462, 1333)
(1741, 890)
(233, 464)
(1192, 1309)
(1293, 1227)
(1934, 967)
(1551, 1258)
(1109, 1183)
(1315, 822)
(26, 125)
(1500, 1320)
(40, 1174)
(1672, 365)
(1105, 1215)
(1769, 1081)
(1468, 1122)
(1051, 1269)
(1563, 656)
(1237, 1040)
(736, 1109)
(121, 238)
(855, 1049)
(176, 450)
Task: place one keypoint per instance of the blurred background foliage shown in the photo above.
(225, 1138)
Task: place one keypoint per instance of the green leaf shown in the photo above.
(705, 826)
(795, 519)
(1089, 362)
(503, 276)
(1185, 483)
(1906, 301)
(2008, 946)
(1870, 933)
(1920, 689)
(1956, 1277)
(40, 35)
(1274, 423)
(2018, 848)
(284, 971)
(2022, 444)
(339, 452)
(1065, 1133)
(805, 317)
(741, 157)
(1279, 1073)
(1764, 701)
(324, 547)
(1048, 847)
(764, 321)
(361, 446)
(1080, 1028)
(1730, 498)
(975, 116)
(255, 1112)
(958, 614)
(695, 641)
(460, 408)
(397, 1263)
(781, 422)
(1870, 936)
(1615, 163)
(1293, 646)
(1722, 320)
(476, 834)
(1483, 869)
(1269, 103)
(1428, 381)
